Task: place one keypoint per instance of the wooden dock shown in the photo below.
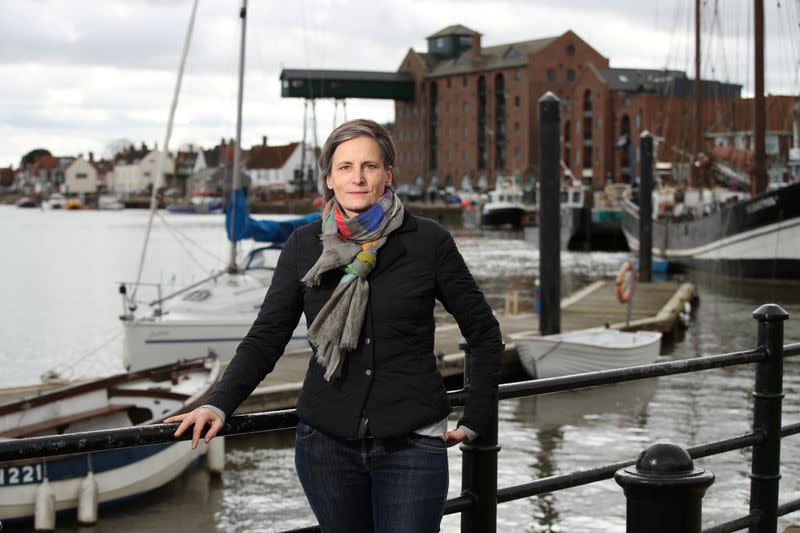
(656, 306)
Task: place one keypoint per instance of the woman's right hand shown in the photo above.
(200, 418)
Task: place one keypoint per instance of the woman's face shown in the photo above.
(358, 176)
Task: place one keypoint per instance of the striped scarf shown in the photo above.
(351, 244)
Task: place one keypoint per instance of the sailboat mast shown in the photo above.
(758, 179)
(236, 180)
(698, 100)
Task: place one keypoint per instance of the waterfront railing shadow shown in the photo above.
(664, 490)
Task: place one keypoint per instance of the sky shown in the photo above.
(80, 76)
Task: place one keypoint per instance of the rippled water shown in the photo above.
(60, 305)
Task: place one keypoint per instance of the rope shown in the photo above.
(165, 153)
(177, 231)
(66, 370)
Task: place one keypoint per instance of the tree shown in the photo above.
(32, 156)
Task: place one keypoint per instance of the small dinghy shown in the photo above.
(40, 487)
(590, 350)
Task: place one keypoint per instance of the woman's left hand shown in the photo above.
(451, 438)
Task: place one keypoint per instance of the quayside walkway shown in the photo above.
(655, 306)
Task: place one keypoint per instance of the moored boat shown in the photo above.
(505, 207)
(214, 314)
(73, 203)
(131, 399)
(27, 202)
(109, 202)
(590, 350)
(755, 237)
(55, 201)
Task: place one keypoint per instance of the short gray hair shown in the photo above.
(350, 130)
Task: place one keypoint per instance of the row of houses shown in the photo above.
(133, 170)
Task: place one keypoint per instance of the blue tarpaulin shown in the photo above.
(240, 225)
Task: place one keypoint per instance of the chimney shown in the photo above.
(263, 140)
(222, 142)
(475, 49)
(91, 157)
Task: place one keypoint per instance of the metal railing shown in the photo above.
(663, 488)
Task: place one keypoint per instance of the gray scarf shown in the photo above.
(352, 244)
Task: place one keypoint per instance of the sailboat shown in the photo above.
(753, 234)
(212, 315)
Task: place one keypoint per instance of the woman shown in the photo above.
(371, 443)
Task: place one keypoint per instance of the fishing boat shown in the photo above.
(589, 350)
(215, 313)
(505, 207)
(758, 237)
(124, 400)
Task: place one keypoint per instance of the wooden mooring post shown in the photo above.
(549, 215)
(646, 208)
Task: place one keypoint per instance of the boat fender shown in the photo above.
(87, 500)
(215, 456)
(625, 284)
(45, 508)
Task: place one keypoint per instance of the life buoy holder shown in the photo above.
(625, 284)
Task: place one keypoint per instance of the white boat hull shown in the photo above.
(585, 351)
(157, 342)
(124, 400)
(754, 238)
(130, 480)
(212, 317)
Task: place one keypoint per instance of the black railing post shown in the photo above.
(767, 399)
(549, 214)
(479, 470)
(664, 491)
(646, 207)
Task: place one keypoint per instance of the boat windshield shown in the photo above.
(261, 258)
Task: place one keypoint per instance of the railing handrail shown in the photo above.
(91, 441)
(98, 440)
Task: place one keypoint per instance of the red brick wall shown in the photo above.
(457, 108)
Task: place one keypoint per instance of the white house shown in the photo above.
(136, 176)
(275, 167)
(81, 177)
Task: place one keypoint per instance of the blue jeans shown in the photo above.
(396, 485)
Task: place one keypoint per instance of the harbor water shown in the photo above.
(59, 315)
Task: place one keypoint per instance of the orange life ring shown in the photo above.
(623, 292)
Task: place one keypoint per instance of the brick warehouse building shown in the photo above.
(611, 107)
(474, 111)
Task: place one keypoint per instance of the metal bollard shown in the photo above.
(664, 491)
(479, 470)
(765, 470)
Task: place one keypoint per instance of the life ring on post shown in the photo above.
(625, 284)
